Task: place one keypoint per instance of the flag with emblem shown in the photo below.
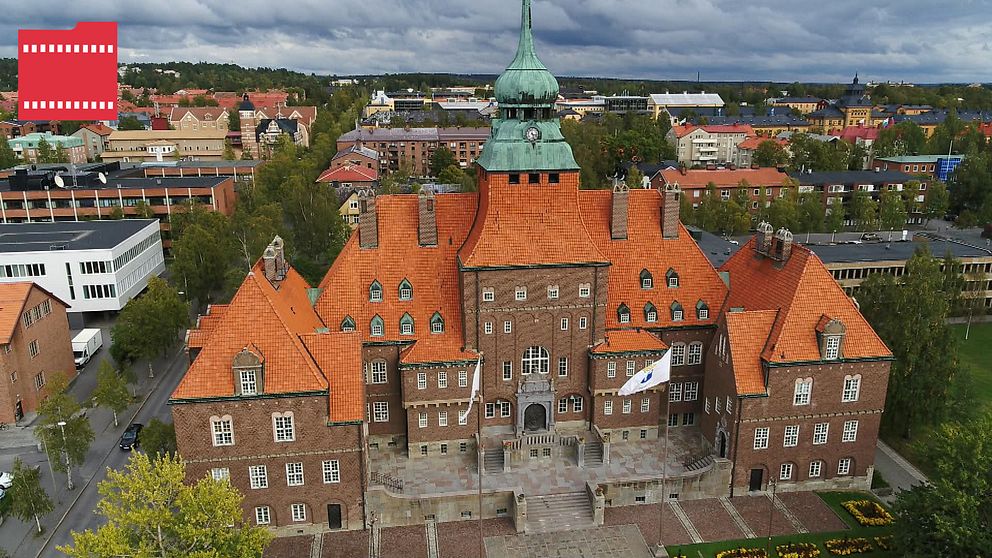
(475, 385)
(655, 373)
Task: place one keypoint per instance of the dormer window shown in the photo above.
(348, 324)
(375, 292)
(247, 369)
(830, 336)
(832, 350)
(437, 323)
(647, 281)
(677, 314)
(702, 311)
(376, 326)
(406, 290)
(406, 325)
(672, 279)
(249, 382)
(650, 313)
(623, 314)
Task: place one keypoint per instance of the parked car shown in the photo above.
(130, 439)
(6, 480)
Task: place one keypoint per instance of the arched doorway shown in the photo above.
(535, 418)
(723, 444)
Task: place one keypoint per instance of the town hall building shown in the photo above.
(346, 404)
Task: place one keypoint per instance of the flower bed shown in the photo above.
(868, 512)
(797, 550)
(884, 543)
(742, 553)
(848, 547)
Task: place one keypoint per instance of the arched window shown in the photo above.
(623, 314)
(536, 360)
(376, 326)
(677, 314)
(695, 353)
(650, 313)
(406, 290)
(678, 354)
(672, 279)
(348, 324)
(437, 323)
(375, 292)
(702, 310)
(647, 281)
(406, 325)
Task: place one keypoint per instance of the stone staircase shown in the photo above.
(558, 512)
(594, 453)
(700, 463)
(492, 461)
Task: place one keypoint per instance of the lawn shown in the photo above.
(975, 354)
(833, 499)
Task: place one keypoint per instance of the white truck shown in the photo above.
(85, 344)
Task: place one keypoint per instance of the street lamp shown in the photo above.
(771, 512)
(65, 450)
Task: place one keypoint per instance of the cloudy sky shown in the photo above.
(822, 40)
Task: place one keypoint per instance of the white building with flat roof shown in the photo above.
(93, 266)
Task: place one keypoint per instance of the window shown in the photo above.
(421, 380)
(378, 369)
(488, 328)
(299, 512)
(611, 369)
(791, 436)
(804, 388)
(695, 353)
(507, 370)
(33, 349)
(221, 473)
(442, 418)
(437, 323)
(761, 438)
(375, 292)
(677, 314)
(626, 406)
(702, 311)
(380, 411)
(852, 388)
(563, 405)
(553, 178)
(672, 279)
(576, 403)
(348, 324)
(564, 324)
(490, 410)
(688, 419)
(844, 466)
(814, 469)
(820, 430)
(488, 294)
(607, 407)
(650, 313)
(730, 405)
(462, 421)
(533, 178)
(406, 325)
(282, 426)
(405, 290)
(294, 474)
(536, 360)
(39, 380)
(707, 406)
(507, 326)
(444, 449)
(262, 515)
(673, 420)
(833, 347)
(675, 392)
(623, 314)
(678, 354)
(645, 404)
(553, 292)
(462, 378)
(258, 476)
(375, 327)
(691, 392)
(520, 293)
(584, 290)
(717, 405)
(504, 409)
(785, 472)
(647, 281)
(631, 368)
(223, 432)
(422, 420)
(850, 431)
(423, 449)
(583, 322)
(563, 366)
(442, 379)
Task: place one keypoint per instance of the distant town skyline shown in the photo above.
(887, 40)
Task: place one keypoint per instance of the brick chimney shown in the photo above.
(618, 221)
(274, 262)
(368, 226)
(670, 211)
(763, 239)
(783, 245)
(427, 227)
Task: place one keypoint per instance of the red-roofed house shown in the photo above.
(349, 176)
(761, 183)
(708, 145)
(96, 139)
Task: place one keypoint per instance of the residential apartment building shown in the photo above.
(261, 128)
(761, 184)
(837, 188)
(26, 146)
(766, 125)
(356, 156)
(802, 105)
(165, 145)
(412, 148)
(854, 108)
(96, 139)
(935, 167)
(708, 145)
(199, 118)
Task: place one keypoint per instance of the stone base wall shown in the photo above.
(434, 448)
(395, 510)
(712, 482)
(836, 483)
(633, 433)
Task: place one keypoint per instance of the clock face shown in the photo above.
(532, 134)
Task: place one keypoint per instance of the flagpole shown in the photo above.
(664, 468)
(478, 421)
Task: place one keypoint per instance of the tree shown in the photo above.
(228, 151)
(59, 155)
(111, 390)
(770, 153)
(44, 152)
(905, 138)
(811, 213)
(149, 325)
(151, 512)
(635, 178)
(7, 156)
(233, 121)
(441, 160)
(452, 174)
(784, 211)
(892, 211)
(159, 438)
(143, 210)
(130, 123)
(834, 220)
(201, 251)
(27, 497)
(67, 443)
(710, 210)
(937, 202)
(864, 211)
(117, 213)
(948, 516)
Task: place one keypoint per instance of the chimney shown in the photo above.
(274, 262)
(670, 211)
(618, 222)
(783, 245)
(368, 226)
(763, 239)
(427, 228)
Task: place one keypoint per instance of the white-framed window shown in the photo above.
(552, 292)
(520, 293)
(442, 418)
(375, 292)
(803, 391)
(463, 420)
(507, 326)
(703, 313)
(299, 512)
(380, 411)
(504, 409)
(673, 281)
(607, 407)
(576, 404)
(33, 349)
(378, 371)
(852, 388)
(487, 328)
(624, 316)
(674, 392)
(688, 419)
(437, 326)
(488, 294)
(584, 290)
(442, 379)
(223, 430)
(611, 369)
(376, 328)
(283, 428)
(850, 431)
(421, 380)
(717, 405)
(564, 324)
(249, 385)
(791, 436)
(645, 404)
(563, 366)
(626, 406)
(706, 407)
(507, 370)
(673, 420)
(695, 353)
(690, 391)
(631, 368)
(462, 378)
(820, 431)
(422, 420)
(676, 315)
(294, 474)
(262, 516)
(332, 471)
(761, 438)
(844, 466)
(833, 347)
(730, 405)
(258, 476)
(563, 405)
(406, 326)
(490, 410)
(678, 354)
(785, 471)
(583, 322)
(535, 360)
(815, 467)
(220, 473)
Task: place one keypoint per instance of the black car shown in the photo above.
(130, 440)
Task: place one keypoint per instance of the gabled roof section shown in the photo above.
(748, 333)
(629, 341)
(802, 291)
(339, 356)
(357, 150)
(13, 297)
(349, 173)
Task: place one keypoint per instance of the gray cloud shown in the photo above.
(912, 40)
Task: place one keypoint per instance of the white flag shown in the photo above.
(649, 376)
(475, 386)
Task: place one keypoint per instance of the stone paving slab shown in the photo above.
(812, 512)
(284, 547)
(343, 544)
(403, 542)
(755, 510)
(602, 542)
(460, 539)
(711, 520)
(645, 517)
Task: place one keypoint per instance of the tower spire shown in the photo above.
(526, 57)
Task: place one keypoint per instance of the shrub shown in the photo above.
(884, 543)
(797, 550)
(847, 547)
(868, 512)
(742, 553)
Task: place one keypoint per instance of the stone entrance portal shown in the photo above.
(534, 398)
(535, 418)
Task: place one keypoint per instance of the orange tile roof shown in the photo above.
(99, 128)
(803, 291)
(339, 356)
(13, 296)
(629, 341)
(205, 325)
(726, 178)
(646, 249)
(748, 332)
(348, 173)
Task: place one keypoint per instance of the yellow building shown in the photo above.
(802, 105)
(165, 145)
(853, 109)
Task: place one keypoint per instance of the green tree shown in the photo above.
(28, 500)
(159, 438)
(452, 174)
(44, 152)
(7, 156)
(892, 211)
(770, 153)
(810, 213)
(65, 432)
(143, 210)
(111, 390)
(150, 324)
(117, 213)
(441, 160)
(228, 151)
(635, 178)
(864, 211)
(948, 516)
(710, 211)
(784, 211)
(905, 138)
(233, 121)
(937, 202)
(59, 154)
(129, 123)
(202, 252)
(150, 511)
(834, 220)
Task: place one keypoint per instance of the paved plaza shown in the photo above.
(603, 542)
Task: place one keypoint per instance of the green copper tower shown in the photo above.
(527, 135)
